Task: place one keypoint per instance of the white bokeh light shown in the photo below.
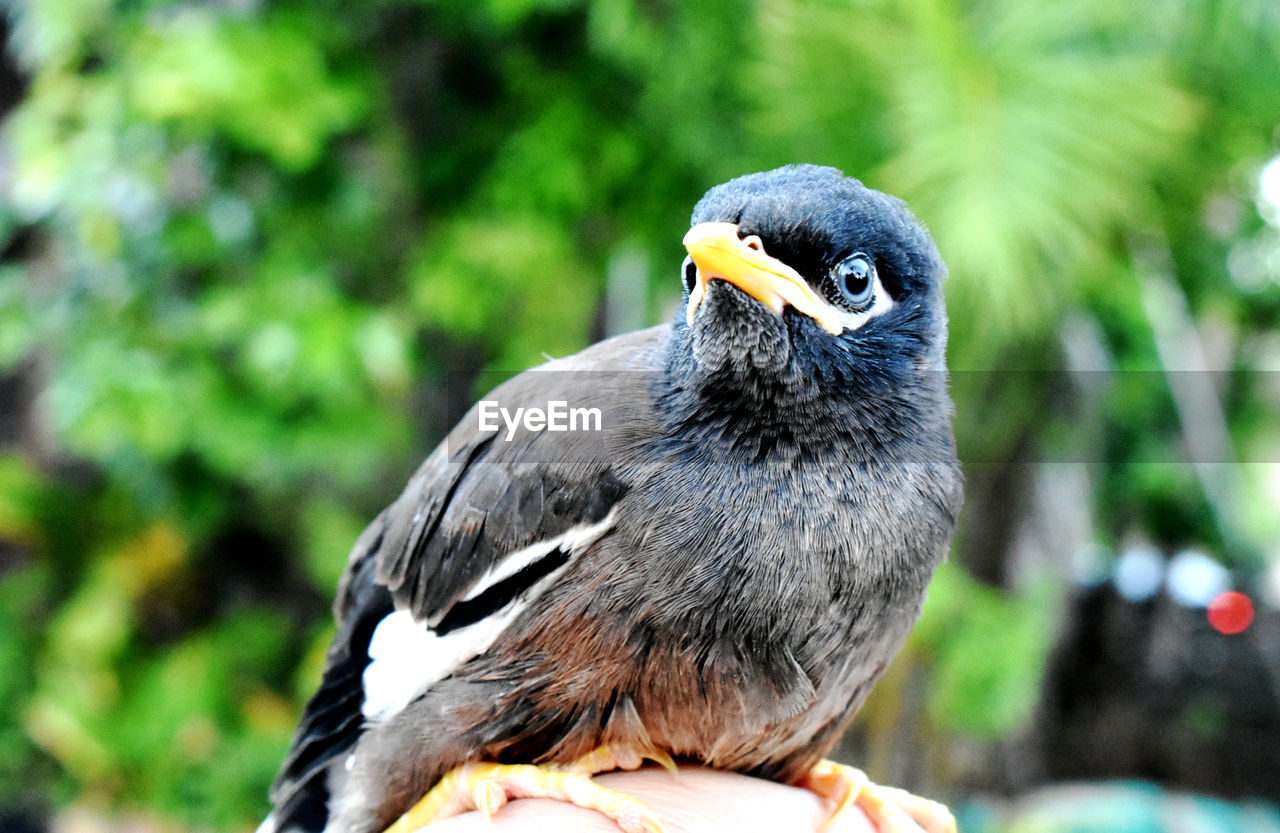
(1139, 572)
(1269, 191)
(1195, 578)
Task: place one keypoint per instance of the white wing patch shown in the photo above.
(575, 540)
(512, 564)
(406, 656)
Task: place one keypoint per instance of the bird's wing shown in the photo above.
(484, 519)
(333, 718)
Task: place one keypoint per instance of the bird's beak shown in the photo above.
(720, 254)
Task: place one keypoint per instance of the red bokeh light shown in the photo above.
(1230, 612)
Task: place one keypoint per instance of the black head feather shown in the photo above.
(887, 372)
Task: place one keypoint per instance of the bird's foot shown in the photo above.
(487, 787)
(890, 809)
(615, 756)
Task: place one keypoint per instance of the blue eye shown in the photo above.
(855, 278)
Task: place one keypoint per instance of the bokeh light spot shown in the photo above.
(1195, 579)
(1230, 612)
(1139, 572)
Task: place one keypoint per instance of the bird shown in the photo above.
(713, 567)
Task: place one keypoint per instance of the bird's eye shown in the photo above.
(855, 278)
(690, 274)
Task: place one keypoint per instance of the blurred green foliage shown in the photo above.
(988, 652)
(249, 243)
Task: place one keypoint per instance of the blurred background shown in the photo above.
(254, 252)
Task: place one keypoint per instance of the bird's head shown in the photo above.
(803, 284)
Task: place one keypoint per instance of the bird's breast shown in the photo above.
(739, 615)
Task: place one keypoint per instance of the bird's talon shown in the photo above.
(634, 817)
(488, 797)
(488, 787)
(933, 816)
(620, 756)
(891, 810)
(662, 759)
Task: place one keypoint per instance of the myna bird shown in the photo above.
(717, 576)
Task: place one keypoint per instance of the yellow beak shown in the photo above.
(720, 254)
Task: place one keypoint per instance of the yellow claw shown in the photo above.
(890, 809)
(489, 797)
(487, 787)
(662, 759)
(611, 757)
